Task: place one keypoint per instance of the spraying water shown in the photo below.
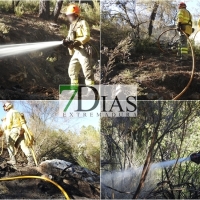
(127, 180)
(16, 49)
(168, 163)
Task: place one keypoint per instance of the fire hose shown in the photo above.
(193, 61)
(38, 177)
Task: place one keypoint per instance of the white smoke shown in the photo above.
(127, 180)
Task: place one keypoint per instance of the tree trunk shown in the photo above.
(149, 155)
(14, 4)
(152, 17)
(44, 9)
(57, 10)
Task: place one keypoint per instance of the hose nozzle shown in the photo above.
(66, 42)
(195, 157)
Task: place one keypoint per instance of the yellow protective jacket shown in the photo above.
(13, 120)
(185, 18)
(79, 30)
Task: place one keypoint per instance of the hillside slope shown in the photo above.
(34, 75)
(157, 75)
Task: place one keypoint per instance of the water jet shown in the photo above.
(16, 49)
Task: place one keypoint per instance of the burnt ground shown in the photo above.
(32, 75)
(158, 77)
(75, 186)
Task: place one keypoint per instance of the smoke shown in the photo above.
(127, 180)
(16, 49)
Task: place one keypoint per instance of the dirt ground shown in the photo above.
(159, 77)
(31, 75)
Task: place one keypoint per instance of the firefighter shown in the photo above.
(184, 23)
(77, 41)
(14, 126)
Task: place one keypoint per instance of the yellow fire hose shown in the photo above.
(193, 62)
(38, 177)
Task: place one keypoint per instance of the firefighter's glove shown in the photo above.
(21, 132)
(24, 126)
(67, 43)
(178, 29)
(76, 44)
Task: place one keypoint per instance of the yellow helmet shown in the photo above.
(73, 9)
(7, 106)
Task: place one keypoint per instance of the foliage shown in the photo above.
(23, 7)
(162, 131)
(19, 10)
(91, 14)
(5, 6)
(130, 19)
(147, 45)
(54, 141)
(4, 29)
(86, 147)
(110, 36)
(64, 30)
(30, 7)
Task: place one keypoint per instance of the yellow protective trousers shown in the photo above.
(80, 59)
(183, 46)
(11, 137)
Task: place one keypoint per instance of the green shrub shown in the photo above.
(64, 30)
(147, 46)
(25, 6)
(86, 148)
(6, 6)
(92, 15)
(4, 29)
(109, 35)
(31, 7)
(19, 10)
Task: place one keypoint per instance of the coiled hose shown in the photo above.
(37, 177)
(193, 61)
